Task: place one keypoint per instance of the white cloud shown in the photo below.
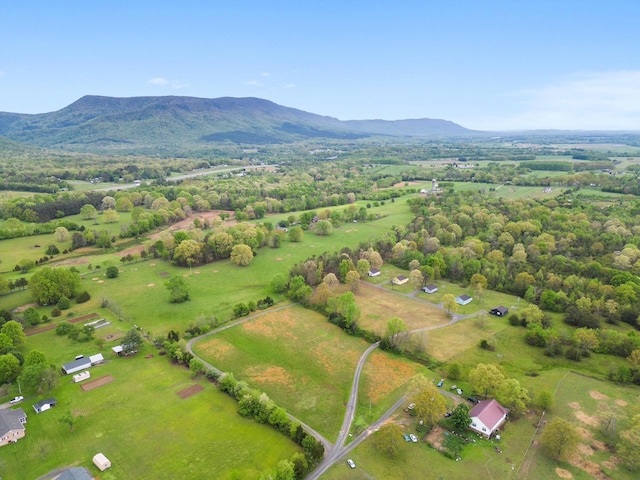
(265, 74)
(253, 83)
(158, 81)
(584, 101)
(290, 85)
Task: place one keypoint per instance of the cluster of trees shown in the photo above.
(489, 380)
(257, 405)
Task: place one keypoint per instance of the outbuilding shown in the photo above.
(44, 405)
(431, 288)
(117, 349)
(96, 359)
(499, 311)
(373, 272)
(76, 366)
(464, 299)
(102, 462)
(79, 377)
(400, 280)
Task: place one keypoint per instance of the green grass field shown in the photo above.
(140, 423)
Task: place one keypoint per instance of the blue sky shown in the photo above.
(529, 64)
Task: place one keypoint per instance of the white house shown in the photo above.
(430, 288)
(464, 300)
(487, 416)
(400, 280)
(373, 272)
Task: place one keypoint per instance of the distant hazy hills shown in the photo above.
(96, 123)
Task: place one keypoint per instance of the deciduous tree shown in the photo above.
(241, 255)
(388, 440)
(559, 437)
(430, 405)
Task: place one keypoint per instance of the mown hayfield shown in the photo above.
(298, 358)
(378, 306)
(589, 404)
(147, 431)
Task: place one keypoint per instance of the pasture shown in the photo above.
(141, 424)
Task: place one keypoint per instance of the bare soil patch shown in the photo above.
(98, 382)
(402, 184)
(586, 419)
(151, 285)
(51, 326)
(585, 450)
(574, 405)
(24, 307)
(72, 261)
(190, 391)
(562, 473)
(436, 438)
(278, 259)
(612, 463)
(164, 274)
(188, 222)
(131, 251)
(621, 402)
(269, 374)
(592, 468)
(597, 395)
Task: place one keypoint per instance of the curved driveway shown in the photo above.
(335, 452)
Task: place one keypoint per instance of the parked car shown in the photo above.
(441, 382)
(472, 399)
(459, 391)
(413, 438)
(17, 399)
(406, 437)
(411, 406)
(350, 463)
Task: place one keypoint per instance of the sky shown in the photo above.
(487, 65)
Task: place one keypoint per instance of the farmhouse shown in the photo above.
(374, 272)
(499, 311)
(12, 425)
(487, 416)
(44, 405)
(431, 288)
(464, 299)
(102, 462)
(400, 280)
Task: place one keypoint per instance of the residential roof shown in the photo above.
(374, 270)
(464, 297)
(401, 277)
(431, 286)
(74, 473)
(501, 309)
(10, 420)
(117, 349)
(490, 412)
(96, 358)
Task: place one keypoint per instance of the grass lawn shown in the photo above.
(298, 358)
(147, 431)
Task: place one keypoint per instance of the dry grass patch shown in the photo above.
(621, 403)
(269, 374)
(586, 419)
(274, 325)
(324, 354)
(215, 348)
(378, 306)
(562, 473)
(386, 374)
(597, 395)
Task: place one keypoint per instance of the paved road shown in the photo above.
(337, 451)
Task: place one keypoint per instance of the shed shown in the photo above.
(76, 366)
(44, 405)
(373, 272)
(96, 359)
(79, 377)
(464, 299)
(102, 462)
(117, 349)
(499, 311)
(400, 280)
(431, 288)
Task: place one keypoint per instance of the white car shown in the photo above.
(414, 439)
(17, 399)
(351, 464)
(459, 391)
(411, 406)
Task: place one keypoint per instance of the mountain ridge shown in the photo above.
(96, 122)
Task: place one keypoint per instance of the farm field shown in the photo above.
(135, 415)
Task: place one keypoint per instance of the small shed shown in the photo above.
(79, 377)
(464, 299)
(76, 366)
(96, 359)
(102, 462)
(499, 311)
(374, 272)
(400, 280)
(431, 288)
(117, 349)
(44, 405)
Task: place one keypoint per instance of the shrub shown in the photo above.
(64, 328)
(83, 297)
(112, 272)
(514, 320)
(64, 303)
(56, 312)
(486, 345)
